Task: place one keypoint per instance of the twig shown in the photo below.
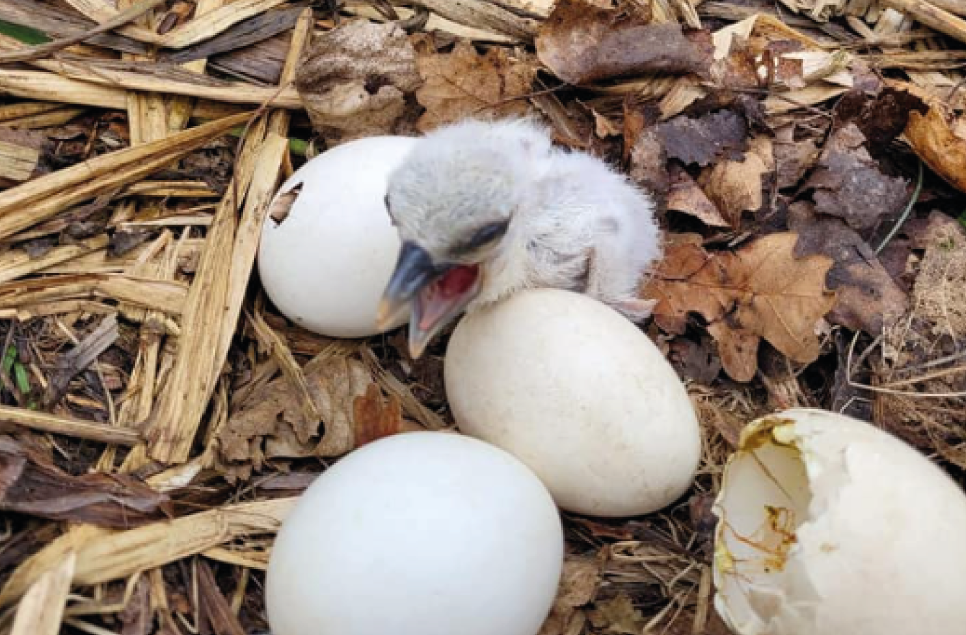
(932, 16)
(46, 49)
(89, 430)
(905, 212)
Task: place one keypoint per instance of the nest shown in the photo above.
(159, 417)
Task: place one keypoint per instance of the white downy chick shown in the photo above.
(485, 209)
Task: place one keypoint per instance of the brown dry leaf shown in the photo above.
(465, 84)
(881, 118)
(696, 360)
(705, 140)
(648, 163)
(736, 186)
(356, 76)
(31, 484)
(581, 43)
(214, 610)
(618, 616)
(934, 139)
(759, 291)
(867, 297)
(793, 157)
(376, 416)
(685, 196)
(849, 185)
(578, 584)
(270, 423)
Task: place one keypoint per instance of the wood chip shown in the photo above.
(104, 555)
(42, 607)
(39, 199)
(90, 430)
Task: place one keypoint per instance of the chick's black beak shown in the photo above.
(434, 294)
(414, 270)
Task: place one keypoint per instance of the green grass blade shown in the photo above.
(23, 33)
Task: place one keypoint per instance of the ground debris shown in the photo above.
(867, 298)
(759, 291)
(849, 184)
(704, 140)
(271, 423)
(31, 484)
(153, 412)
(582, 43)
(356, 77)
(464, 84)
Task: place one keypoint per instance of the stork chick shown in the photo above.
(485, 209)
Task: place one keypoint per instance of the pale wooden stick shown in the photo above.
(90, 430)
(932, 16)
(42, 607)
(48, 48)
(41, 198)
(104, 555)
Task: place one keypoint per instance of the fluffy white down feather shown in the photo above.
(575, 223)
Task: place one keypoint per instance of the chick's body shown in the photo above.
(573, 222)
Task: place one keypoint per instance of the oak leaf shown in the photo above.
(686, 196)
(759, 291)
(465, 84)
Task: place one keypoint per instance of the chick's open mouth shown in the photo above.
(447, 295)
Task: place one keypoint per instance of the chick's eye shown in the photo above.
(488, 233)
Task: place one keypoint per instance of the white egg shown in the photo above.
(830, 525)
(326, 265)
(578, 393)
(423, 533)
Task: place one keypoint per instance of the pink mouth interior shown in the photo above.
(457, 281)
(441, 294)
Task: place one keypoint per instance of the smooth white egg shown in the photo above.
(326, 265)
(427, 533)
(578, 393)
(829, 525)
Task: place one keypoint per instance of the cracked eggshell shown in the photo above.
(423, 533)
(578, 393)
(830, 525)
(327, 263)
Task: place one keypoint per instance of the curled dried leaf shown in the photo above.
(759, 291)
(376, 416)
(31, 484)
(356, 76)
(582, 43)
(935, 140)
(736, 186)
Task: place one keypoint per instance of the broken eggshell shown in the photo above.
(830, 525)
(328, 246)
(578, 393)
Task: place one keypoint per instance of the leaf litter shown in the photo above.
(806, 262)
